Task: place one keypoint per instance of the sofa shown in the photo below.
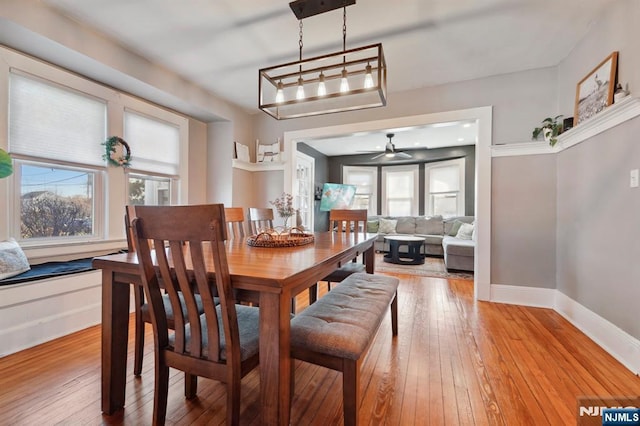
(443, 236)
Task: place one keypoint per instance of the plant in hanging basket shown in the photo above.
(117, 152)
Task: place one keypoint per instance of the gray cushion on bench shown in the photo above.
(344, 321)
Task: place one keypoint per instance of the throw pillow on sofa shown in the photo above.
(455, 227)
(465, 232)
(387, 226)
(12, 259)
(372, 226)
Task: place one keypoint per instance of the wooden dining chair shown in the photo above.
(221, 344)
(142, 315)
(235, 221)
(347, 221)
(260, 219)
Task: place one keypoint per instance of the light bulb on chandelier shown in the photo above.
(322, 89)
(368, 79)
(280, 93)
(344, 83)
(300, 92)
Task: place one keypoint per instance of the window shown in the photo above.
(156, 146)
(54, 135)
(149, 190)
(400, 190)
(366, 181)
(445, 188)
(56, 201)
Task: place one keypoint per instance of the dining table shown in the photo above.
(272, 275)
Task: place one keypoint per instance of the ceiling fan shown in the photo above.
(390, 150)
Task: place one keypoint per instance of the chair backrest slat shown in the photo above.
(235, 221)
(193, 240)
(348, 221)
(260, 219)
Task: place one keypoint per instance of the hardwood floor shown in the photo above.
(454, 362)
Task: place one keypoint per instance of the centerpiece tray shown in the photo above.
(281, 238)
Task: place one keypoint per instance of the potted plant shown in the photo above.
(550, 129)
(6, 168)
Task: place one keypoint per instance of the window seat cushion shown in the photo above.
(49, 270)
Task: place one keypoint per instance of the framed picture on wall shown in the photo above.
(595, 91)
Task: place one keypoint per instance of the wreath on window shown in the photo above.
(117, 152)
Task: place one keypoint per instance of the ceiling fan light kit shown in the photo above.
(390, 151)
(348, 80)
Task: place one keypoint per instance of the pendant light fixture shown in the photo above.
(324, 84)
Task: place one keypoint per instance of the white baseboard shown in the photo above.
(619, 344)
(527, 296)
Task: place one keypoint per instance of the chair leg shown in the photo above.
(313, 293)
(190, 385)
(233, 397)
(139, 333)
(351, 391)
(160, 393)
(394, 314)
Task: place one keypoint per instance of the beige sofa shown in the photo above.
(439, 234)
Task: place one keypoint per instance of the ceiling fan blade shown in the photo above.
(375, 157)
(402, 154)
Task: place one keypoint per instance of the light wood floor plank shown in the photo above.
(455, 361)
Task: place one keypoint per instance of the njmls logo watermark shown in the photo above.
(609, 411)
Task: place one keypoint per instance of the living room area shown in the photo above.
(551, 287)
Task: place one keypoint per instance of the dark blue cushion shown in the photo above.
(50, 269)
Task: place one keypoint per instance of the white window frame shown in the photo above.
(373, 170)
(115, 182)
(98, 203)
(460, 162)
(414, 169)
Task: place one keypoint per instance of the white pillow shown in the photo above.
(465, 232)
(387, 226)
(12, 259)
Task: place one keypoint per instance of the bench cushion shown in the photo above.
(50, 270)
(345, 320)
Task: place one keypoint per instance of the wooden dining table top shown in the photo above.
(275, 267)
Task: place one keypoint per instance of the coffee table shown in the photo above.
(413, 255)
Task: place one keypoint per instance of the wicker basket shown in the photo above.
(280, 238)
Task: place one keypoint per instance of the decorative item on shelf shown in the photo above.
(620, 93)
(595, 91)
(280, 237)
(284, 207)
(567, 124)
(550, 129)
(242, 152)
(6, 167)
(117, 152)
(268, 153)
(342, 81)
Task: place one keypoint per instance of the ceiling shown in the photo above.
(221, 44)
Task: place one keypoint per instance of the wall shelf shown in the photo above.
(257, 167)
(618, 113)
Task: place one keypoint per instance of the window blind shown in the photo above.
(51, 122)
(154, 144)
(444, 179)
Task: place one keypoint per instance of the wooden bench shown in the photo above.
(337, 331)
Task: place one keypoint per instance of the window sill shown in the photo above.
(71, 250)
